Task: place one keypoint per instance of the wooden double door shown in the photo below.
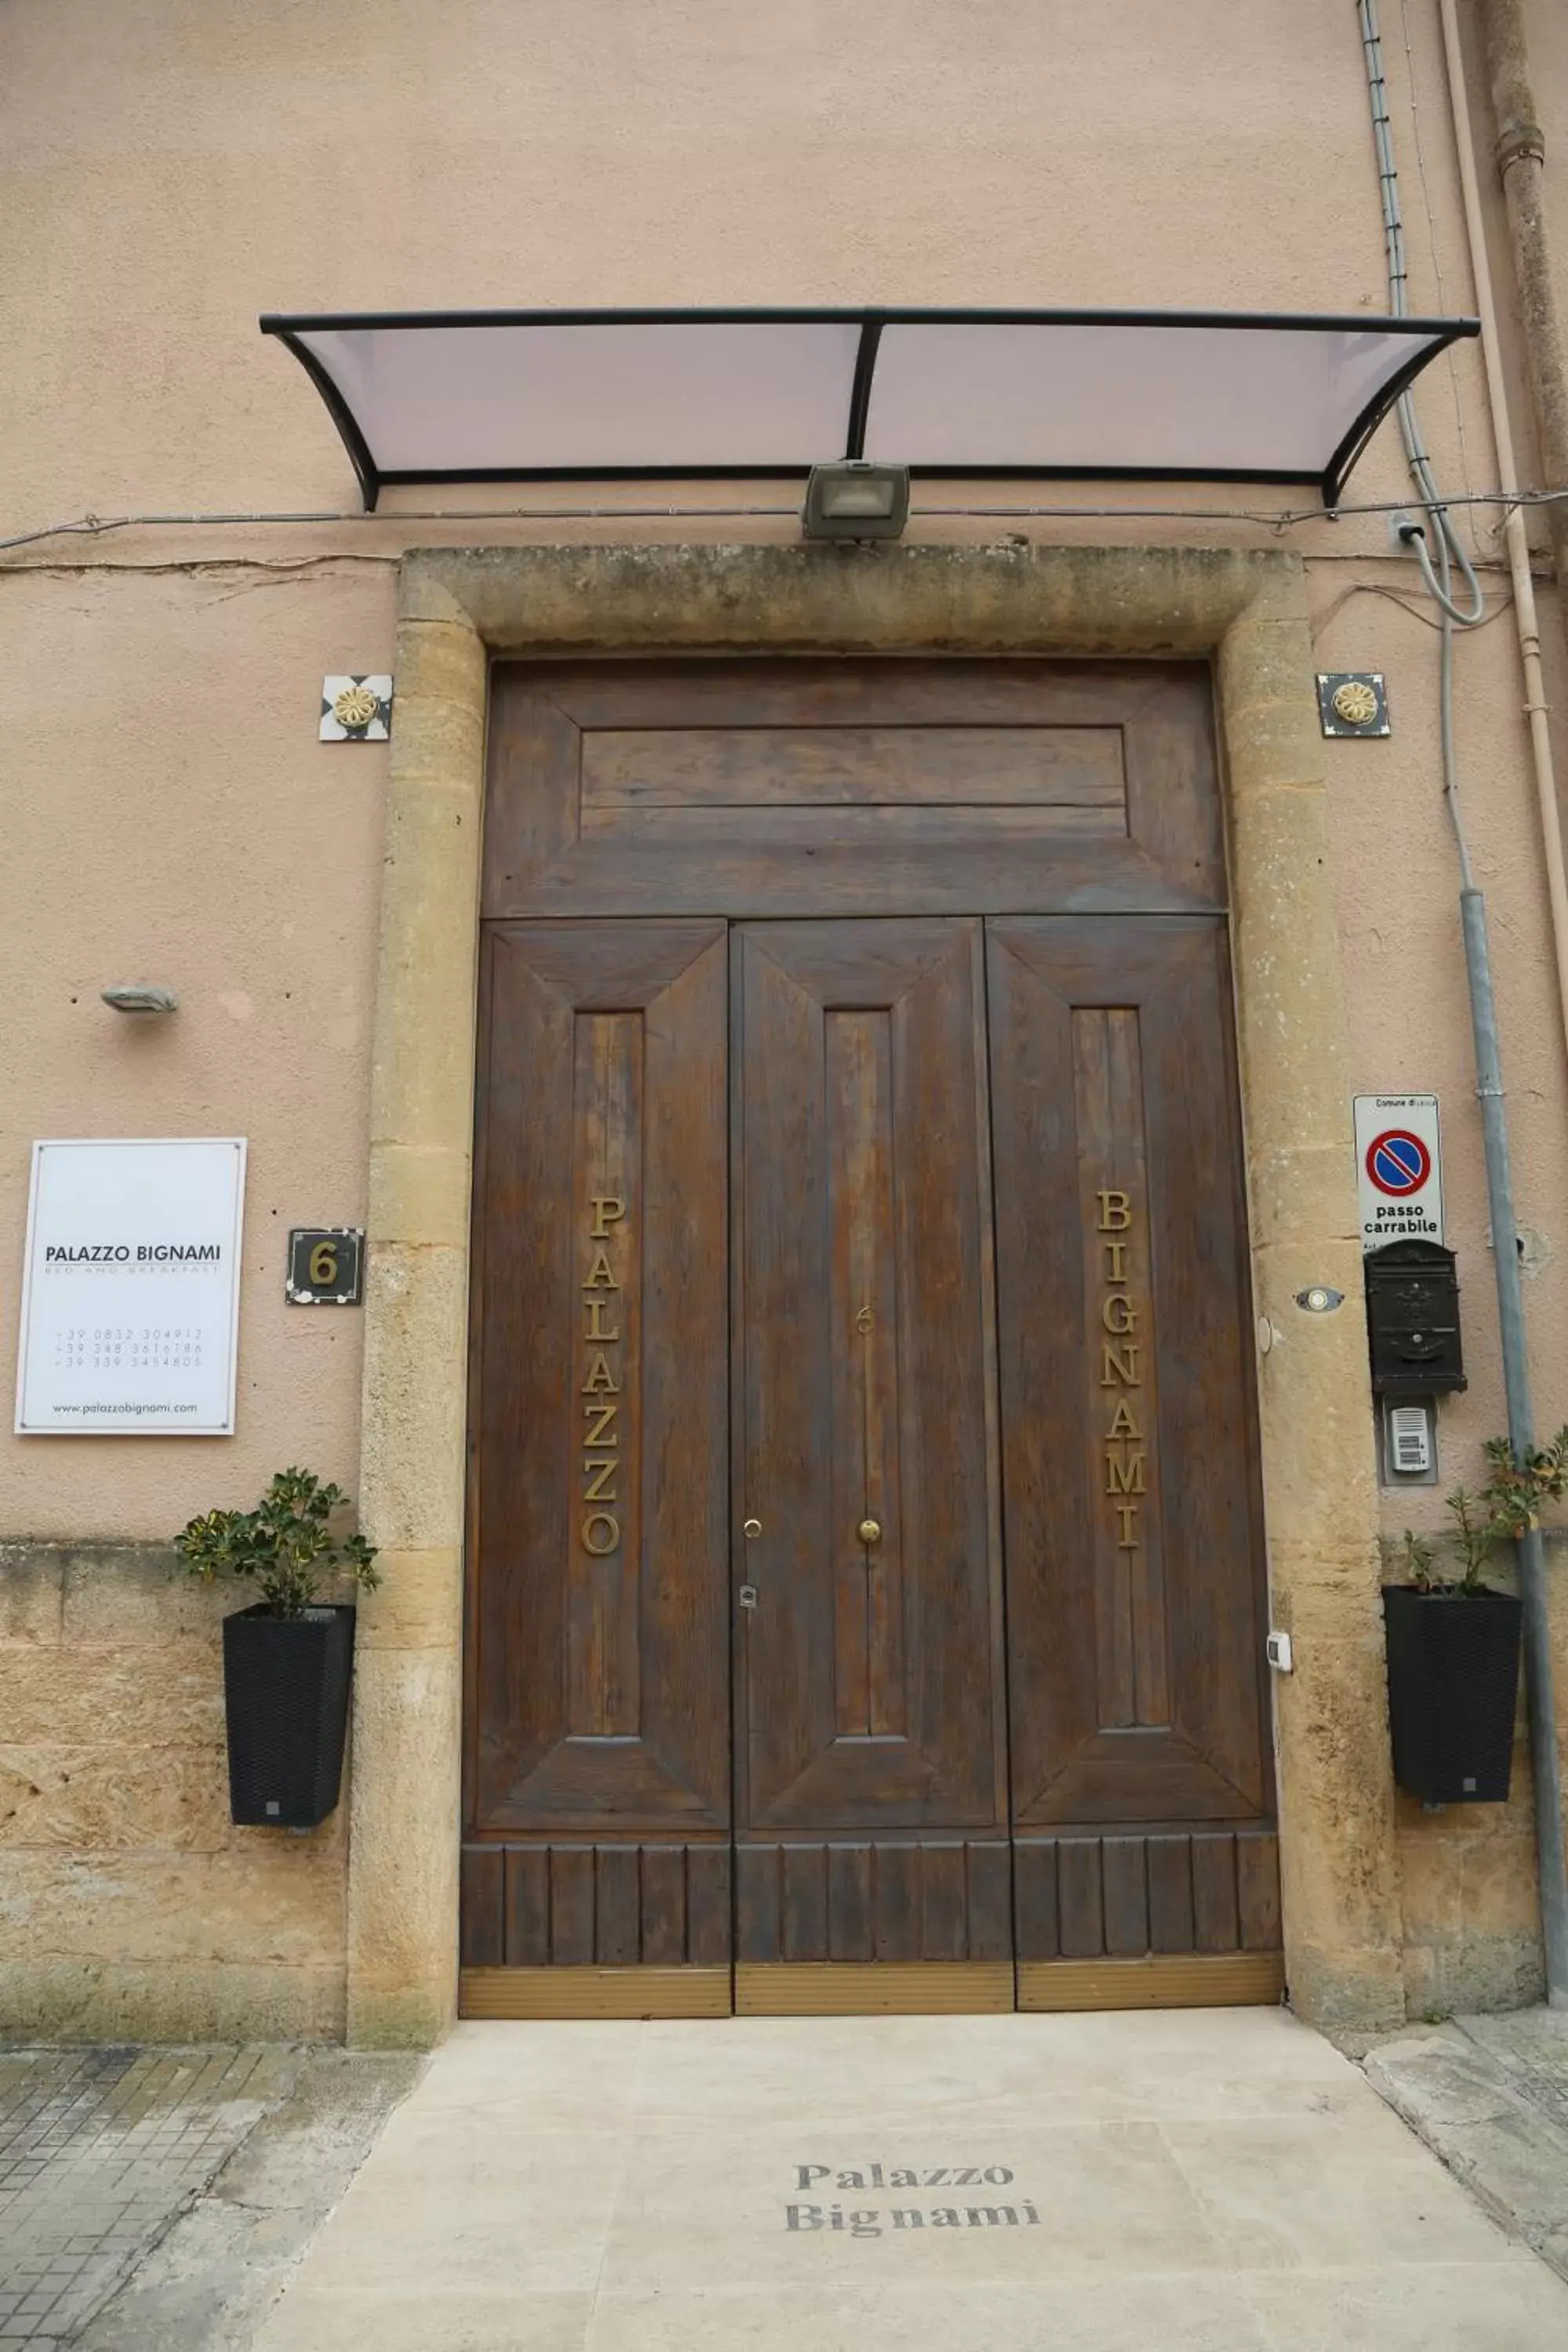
(864, 1596)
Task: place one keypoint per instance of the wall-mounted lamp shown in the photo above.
(139, 997)
(854, 499)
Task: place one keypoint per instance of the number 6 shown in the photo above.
(324, 1266)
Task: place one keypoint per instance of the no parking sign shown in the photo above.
(1399, 1172)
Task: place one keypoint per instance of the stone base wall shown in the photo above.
(1472, 1919)
(131, 1907)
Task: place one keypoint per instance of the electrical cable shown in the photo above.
(1288, 518)
(1439, 580)
(1325, 613)
(1434, 244)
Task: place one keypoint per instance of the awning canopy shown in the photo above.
(1169, 396)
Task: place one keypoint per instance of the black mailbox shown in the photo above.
(1413, 1320)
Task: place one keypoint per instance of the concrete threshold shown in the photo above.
(1201, 2180)
(1489, 2096)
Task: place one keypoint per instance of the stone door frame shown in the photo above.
(1245, 610)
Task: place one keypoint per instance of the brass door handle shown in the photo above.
(752, 1527)
(869, 1532)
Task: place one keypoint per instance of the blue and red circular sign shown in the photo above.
(1399, 1163)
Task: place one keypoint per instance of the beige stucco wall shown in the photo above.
(170, 167)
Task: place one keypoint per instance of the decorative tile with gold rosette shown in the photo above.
(356, 709)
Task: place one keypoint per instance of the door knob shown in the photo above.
(870, 1531)
(752, 1527)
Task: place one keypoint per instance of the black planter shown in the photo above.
(1453, 1681)
(285, 1692)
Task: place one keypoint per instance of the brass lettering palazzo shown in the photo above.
(601, 1529)
(1119, 1363)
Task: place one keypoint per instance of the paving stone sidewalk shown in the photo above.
(1489, 2096)
(110, 2160)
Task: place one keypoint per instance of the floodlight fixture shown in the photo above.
(856, 498)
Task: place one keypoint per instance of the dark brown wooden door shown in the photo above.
(858, 1161)
(1141, 1790)
(598, 1763)
(871, 1811)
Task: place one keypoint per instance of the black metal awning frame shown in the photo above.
(1436, 334)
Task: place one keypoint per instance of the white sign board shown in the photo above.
(131, 1291)
(1399, 1169)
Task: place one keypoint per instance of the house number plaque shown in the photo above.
(326, 1265)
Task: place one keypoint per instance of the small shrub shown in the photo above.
(1478, 1529)
(285, 1544)
(1418, 1561)
(1518, 1487)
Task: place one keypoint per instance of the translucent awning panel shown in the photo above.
(517, 395)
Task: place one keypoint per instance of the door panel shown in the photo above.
(598, 1770)
(813, 787)
(882, 1899)
(870, 1766)
(576, 1904)
(1082, 1894)
(1134, 1583)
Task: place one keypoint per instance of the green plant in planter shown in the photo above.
(1452, 1641)
(286, 1544)
(1518, 1487)
(1476, 1530)
(1419, 1562)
